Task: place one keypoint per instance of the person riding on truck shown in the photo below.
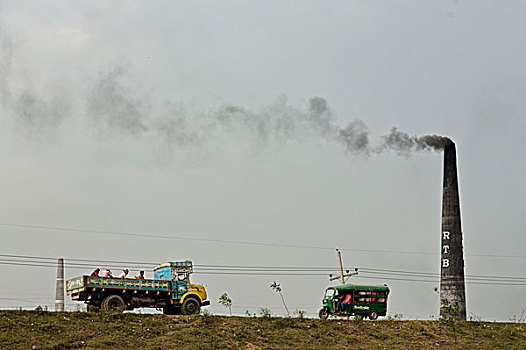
(95, 273)
(106, 273)
(124, 273)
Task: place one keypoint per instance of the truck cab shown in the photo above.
(186, 298)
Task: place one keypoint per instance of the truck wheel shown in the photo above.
(190, 306)
(323, 314)
(373, 315)
(113, 303)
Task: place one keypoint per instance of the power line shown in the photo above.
(92, 261)
(26, 300)
(26, 260)
(253, 243)
(468, 281)
(133, 234)
(369, 275)
(437, 274)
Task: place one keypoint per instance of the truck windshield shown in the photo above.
(329, 293)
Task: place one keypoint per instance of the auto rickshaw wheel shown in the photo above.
(324, 313)
(373, 315)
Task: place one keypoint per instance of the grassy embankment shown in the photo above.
(45, 330)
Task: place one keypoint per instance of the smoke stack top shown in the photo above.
(404, 143)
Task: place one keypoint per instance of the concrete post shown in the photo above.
(59, 296)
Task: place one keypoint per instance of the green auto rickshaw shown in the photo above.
(353, 299)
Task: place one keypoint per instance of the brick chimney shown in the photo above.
(452, 285)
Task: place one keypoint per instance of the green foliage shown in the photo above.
(395, 317)
(448, 312)
(205, 312)
(265, 312)
(276, 287)
(300, 313)
(225, 300)
(249, 314)
(358, 318)
(40, 309)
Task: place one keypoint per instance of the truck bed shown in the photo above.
(80, 284)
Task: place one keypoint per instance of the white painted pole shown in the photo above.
(59, 296)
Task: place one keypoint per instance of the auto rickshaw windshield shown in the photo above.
(329, 293)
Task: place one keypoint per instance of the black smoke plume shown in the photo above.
(403, 143)
(115, 109)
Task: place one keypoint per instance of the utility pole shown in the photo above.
(341, 265)
(342, 276)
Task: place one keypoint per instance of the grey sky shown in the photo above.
(193, 119)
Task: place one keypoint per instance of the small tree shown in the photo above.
(204, 312)
(265, 312)
(449, 314)
(225, 300)
(300, 313)
(277, 288)
(250, 314)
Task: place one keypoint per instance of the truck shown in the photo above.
(362, 301)
(169, 290)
